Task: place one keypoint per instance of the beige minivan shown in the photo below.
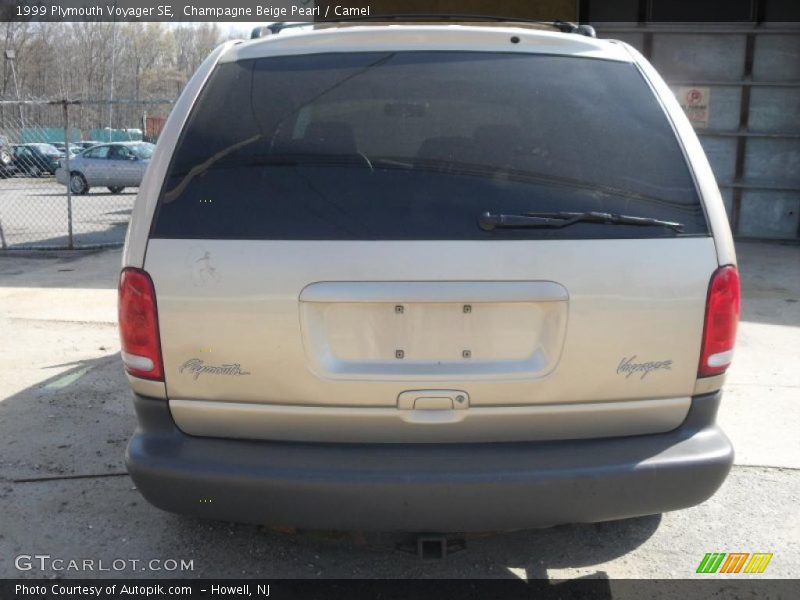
(427, 277)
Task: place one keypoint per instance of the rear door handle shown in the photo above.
(433, 400)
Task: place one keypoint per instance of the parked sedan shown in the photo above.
(85, 144)
(7, 166)
(115, 166)
(37, 159)
(73, 149)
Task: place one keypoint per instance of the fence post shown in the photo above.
(69, 173)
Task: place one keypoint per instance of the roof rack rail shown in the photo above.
(274, 28)
(562, 26)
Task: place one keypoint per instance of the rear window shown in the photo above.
(417, 145)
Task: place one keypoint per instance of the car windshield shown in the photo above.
(416, 145)
(143, 150)
(46, 148)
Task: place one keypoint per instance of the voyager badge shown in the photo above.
(628, 366)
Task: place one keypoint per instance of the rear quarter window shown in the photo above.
(416, 145)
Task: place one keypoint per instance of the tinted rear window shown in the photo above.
(416, 145)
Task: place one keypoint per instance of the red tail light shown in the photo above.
(138, 325)
(722, 317)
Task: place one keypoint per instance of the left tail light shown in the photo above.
(138, 325)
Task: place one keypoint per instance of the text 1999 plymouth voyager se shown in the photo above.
(425, 277)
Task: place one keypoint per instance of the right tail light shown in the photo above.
(723, 306)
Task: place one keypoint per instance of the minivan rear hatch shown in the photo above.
(320, 244)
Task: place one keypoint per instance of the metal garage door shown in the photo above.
(747, 80)
(744, 78)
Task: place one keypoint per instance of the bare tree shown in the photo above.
(74, 59)
(92, 60)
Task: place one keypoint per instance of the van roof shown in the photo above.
(495, 37)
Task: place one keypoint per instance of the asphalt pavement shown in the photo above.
(34, 213)
(66, 416)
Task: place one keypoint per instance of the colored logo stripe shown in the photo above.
(758, 563)
(713, 562)
(734, 562)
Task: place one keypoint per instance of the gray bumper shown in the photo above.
(425, 487)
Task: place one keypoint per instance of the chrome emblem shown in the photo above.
(628, 367)
(199, 367)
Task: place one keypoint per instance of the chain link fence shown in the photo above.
(45, 205)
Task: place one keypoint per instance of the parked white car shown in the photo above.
(115, 166)
(427, 278)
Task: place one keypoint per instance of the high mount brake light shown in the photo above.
(723, 306)
(138, 325)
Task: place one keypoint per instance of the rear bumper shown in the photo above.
(428, 487)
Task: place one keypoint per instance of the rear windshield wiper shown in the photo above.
(557, 220)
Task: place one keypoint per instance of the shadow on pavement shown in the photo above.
(62, 473)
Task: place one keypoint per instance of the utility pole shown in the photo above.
(69, 175)
(67, 135)
(10, 55)
(111, 86)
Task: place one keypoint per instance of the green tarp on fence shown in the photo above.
(30, 135)
(55, 134)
